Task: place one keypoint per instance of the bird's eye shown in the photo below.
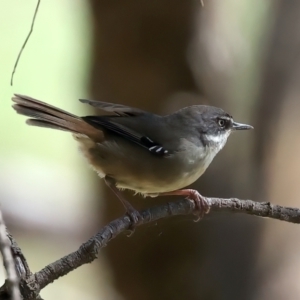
(221, 123)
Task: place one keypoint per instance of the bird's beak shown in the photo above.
(240, 126)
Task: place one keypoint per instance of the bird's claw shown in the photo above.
(202, 205)
(135, 218)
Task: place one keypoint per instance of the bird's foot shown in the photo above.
(201, 204)
(135, 218)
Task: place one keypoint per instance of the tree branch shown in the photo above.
(20, 280)
(90, 249)
(11, 286)
(32, 284)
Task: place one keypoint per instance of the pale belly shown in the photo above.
(143, 172)
(153, 188)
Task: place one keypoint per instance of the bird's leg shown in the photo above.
(201, 203)
(133, 214)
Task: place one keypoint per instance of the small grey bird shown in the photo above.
(133, 149)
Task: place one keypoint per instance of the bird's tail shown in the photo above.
(44, 115)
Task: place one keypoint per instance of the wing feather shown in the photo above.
(128, 134)
(118, 109)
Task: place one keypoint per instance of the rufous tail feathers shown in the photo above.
(44, 115)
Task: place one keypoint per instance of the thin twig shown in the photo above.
(25, 42)
(9, 262)
(90, 249)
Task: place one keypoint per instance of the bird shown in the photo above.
(133, 149)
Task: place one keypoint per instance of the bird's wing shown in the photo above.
(117, 109)
(127, 133)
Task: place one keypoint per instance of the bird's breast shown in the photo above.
(195, 163)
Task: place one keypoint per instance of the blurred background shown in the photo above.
(241, 55)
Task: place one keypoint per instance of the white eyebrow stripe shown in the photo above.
(225, 118)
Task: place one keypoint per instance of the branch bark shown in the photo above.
(20, 282)
(90, 249)
(32, 284)
(11, 286)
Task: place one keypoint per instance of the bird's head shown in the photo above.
(215, 125)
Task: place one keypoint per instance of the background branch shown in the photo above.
(11, 286)
(20, 280)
